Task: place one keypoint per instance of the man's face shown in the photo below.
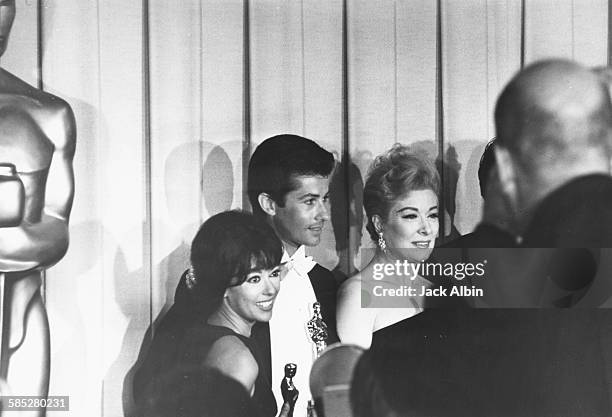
(506, 174)
(306, 209)
(497, 209)
(7, 15)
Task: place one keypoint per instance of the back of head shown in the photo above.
(400, 383)
(227, 246)
(554, 114)
(278, 160)
(486, 166)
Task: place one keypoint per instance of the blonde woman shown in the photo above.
(401, 203)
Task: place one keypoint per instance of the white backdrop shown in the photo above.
(170, 96)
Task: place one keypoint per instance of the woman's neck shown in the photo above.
(225, 316)
(385, 257)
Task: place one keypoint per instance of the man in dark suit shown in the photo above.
(493, 231)
(554, 123)
(491, 242)
(554, 134)
(288, 185)
(481, 363)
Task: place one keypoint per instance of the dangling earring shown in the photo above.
(190, 278)
(381, 242)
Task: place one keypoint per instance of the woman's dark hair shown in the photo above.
(226, 248)
(391, 176)
(198, 393)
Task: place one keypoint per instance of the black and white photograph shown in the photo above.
(306, 208)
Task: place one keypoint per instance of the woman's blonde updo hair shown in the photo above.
(391, 176)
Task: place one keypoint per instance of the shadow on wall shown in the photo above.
(128, 297)
(448, 168)
(195, 193)
(74, 299)
(69, 325)
(347, 215)
(212, 188)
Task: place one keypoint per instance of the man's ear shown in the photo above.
(507, 174)
(267, 204)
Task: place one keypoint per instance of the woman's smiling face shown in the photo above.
(411, 227)
(254, 298)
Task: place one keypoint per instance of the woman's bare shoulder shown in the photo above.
(351, 284)
(232, 357)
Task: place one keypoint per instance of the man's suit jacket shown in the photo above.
(576, 215)
(496, 362)
(579, 215)
(515, 362)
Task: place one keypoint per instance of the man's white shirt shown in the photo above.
(289, 339)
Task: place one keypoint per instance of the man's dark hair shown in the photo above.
(278, 160)
(486, 166)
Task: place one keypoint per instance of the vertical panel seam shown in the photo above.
(395, 98)
(609, 32)
(303, 68)
(40, 84)
(523, 31)
(345, 82)
(40, 34)
(507, 39)
(345, 157)
(487, 67)
(201, 116)
(573, 27)
(98, 134)
(246, 146)
(440, 113)
(147, 153)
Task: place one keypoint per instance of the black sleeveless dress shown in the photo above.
(181, 345)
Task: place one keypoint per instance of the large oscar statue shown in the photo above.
(37, 142)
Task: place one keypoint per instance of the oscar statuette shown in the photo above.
(288, 389)
(317, 330)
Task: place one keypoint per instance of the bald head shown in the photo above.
(554, 124)
(552, 114)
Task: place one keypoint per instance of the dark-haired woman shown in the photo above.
(231, 285)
